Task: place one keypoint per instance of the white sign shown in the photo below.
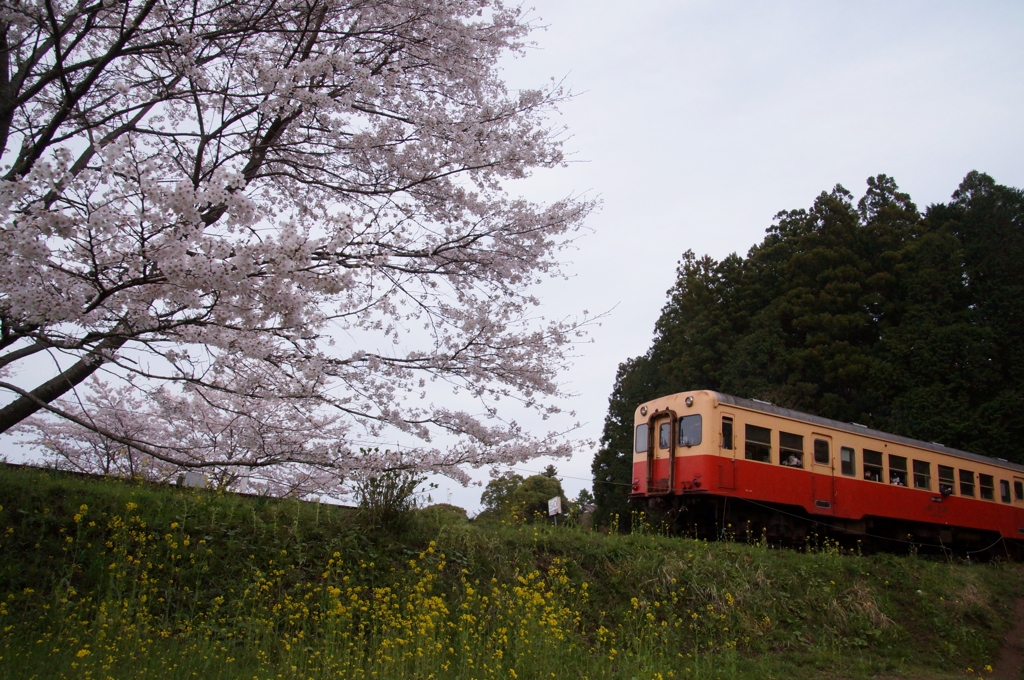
(555, 506)
(196, 480)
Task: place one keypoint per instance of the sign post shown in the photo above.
(555, 508)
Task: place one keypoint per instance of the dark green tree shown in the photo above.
(529, 500)
(866, 312)
(496, 494)
(613, 464)
(817, 293)
(510, 495)
(958, 357)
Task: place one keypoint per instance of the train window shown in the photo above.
(872, 465)
(665, 435)
(689, 430)
(966, 483)
(821, 452)
(922, 474)
(897, 470)
(641, 439)
(759, 444)
(726, 432)
(1018, 490)
(848, 459)
(945, 480)
(791, 449)
(1004, 491)
(986, 487)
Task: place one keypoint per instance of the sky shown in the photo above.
(695, 123)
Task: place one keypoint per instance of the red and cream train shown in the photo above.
(715, 460)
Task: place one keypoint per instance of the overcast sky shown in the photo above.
(696, 122)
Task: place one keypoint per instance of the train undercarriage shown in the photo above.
(713, 517)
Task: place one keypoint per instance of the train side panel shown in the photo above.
(764, 458)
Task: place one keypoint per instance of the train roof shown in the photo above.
(855, 428)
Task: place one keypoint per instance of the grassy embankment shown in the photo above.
(108, 579)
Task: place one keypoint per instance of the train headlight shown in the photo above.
(643, 410)
(689, 401)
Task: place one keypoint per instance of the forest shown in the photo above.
(870, 311)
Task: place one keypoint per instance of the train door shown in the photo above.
(1018, 502)
(662, 450)
(727, 452)
(822, 471)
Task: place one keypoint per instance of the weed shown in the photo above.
(105, 579)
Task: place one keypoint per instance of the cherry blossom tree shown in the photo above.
(258, 235)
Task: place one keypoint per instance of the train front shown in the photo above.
(676, 445)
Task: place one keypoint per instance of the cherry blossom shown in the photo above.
(256, 237)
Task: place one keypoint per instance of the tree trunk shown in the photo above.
(23, 407)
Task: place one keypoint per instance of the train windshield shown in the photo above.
(641, 438)
(690, 430)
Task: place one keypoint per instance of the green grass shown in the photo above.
(100, 578)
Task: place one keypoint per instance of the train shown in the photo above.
(715, 464)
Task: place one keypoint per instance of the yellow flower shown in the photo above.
(82, 653)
